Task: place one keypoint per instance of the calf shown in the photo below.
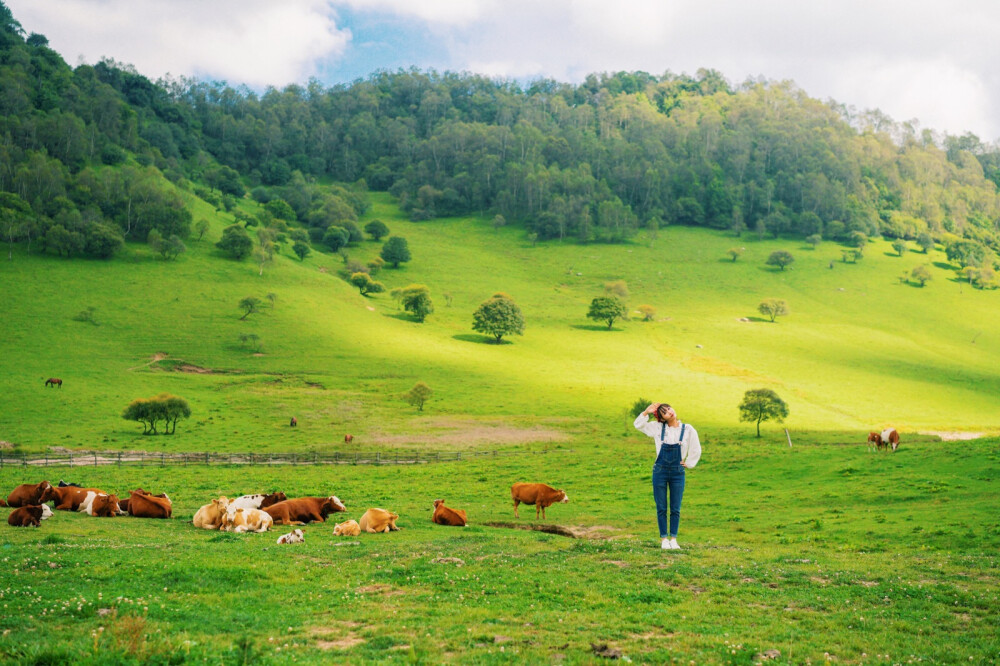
(258, 501)
(143, 505)
(247, 520)
(210, 516)
(348, 528)
(446, 516)
(302, 510)
(29, 516)
(295, 536)
(378, 520)
(874, 441)
(28, 494)
(539, 494)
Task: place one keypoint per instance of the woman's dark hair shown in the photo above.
(660, 409)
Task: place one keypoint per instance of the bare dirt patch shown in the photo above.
(451, 432)
(380, 588)
(345, 643)
(6, 446)
(953, 435)
(571, 531)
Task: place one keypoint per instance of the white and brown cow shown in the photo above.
(258, 501)
(247, 520)
(100, 505)
(295, 536)
(29, 516)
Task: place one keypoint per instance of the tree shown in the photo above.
(13, 212)
(102, 241)
(301, 250)
(499, 221)
(395, 251)
(762, 405)
(375, 265)
(263, 255)
(735, 252)
(418, 395)
(648, 313)
(154, 239)
(416, 299)
(773, 308)
(336, 238)
(236, 241)
(925, 241)
(173, 247)
(376, 229)
(607, 309)
(814, 240)
(163, 407)
(250, 305)
(498, 316)
(617, 288)
(251, 339)
(780, 258)
(899, 245)
(202, 228)
(966, 253)
(921, 274)
(365, 284)
(858, 240)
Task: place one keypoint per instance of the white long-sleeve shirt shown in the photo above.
(690, 447)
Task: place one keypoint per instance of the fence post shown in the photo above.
(789, 437)
(378, 457)
(1, 458)
(119, 458)
(70, 458)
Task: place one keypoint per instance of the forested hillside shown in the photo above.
(590, 162)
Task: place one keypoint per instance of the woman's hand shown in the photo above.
(652, 408)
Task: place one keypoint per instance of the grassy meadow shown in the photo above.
(819, 551)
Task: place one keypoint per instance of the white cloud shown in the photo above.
(445, 12)
(258, 42)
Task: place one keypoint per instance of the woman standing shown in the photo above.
(677, 449)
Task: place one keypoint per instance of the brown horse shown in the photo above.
(54, 381)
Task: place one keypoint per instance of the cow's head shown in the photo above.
(874, 437)
(49, 494)
(561, 495)
(332, 505)
(105, 506)
(438, 502)
(272, 499)
(46, 511)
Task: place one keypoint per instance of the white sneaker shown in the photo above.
(665, 544)
(674, 545)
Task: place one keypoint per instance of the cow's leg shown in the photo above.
(516, 502)
(538, 507)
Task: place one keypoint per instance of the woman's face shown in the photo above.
(666, 412)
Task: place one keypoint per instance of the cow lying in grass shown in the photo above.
(28, 494)
(347, 528)
(142, 504)
(258, 501)
(247, 520)
(210, 516)
(539, 494)
(302, 510)
(29, 516)
(378, 520)
(446, 516)
(100, 505)
(295, 536)
(70, 498)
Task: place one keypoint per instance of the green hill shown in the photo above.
(859, 350)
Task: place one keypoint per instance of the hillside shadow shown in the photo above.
(760, 320)
(594, 327)
(401, 316)
(943, 266)
(891, 254)
(479, 339)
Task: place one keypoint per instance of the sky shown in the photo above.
(934, 62)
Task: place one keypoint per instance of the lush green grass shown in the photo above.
(811, 550)
(860, 350)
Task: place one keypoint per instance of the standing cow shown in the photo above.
(539, 494)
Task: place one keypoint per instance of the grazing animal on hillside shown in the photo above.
(539, 494)
(347, 528)
(53, 381)
(210, 516)
(143, 505)
(447, 516)
(874, 441)
(378, 520)
(258, 501)
(348, 439)
(890, 438)
(294, 422)
(302, 510)
(28, 494)
(63, 484)
(247, 520)
(295, 536)
(29, 516)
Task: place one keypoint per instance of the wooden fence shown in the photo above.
(149, 458)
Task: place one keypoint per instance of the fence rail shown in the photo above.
(149, 458)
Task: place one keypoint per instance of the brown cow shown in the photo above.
(302, 510)
(29, 516)
(3, 502)
(347, 528)
(348, 439)
(143, 505)
(28, 494)
(105, 506)
(539, 494)
(70, 498)
(446, 516)
(294, 422)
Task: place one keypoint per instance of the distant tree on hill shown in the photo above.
(395, 251)
(250, 305)
(64, 241)
(280, 209)
(365, 284)
(499, 221)
(418, 395)
(498, 316)
(263, 255)
(201, 228)
(773, 308)
(607, 309)
(921, 274)
(377, 229)
(335, 238)
(375, 265)
(154, 239)
(416, 299)
(617, 288)
(925, 241)
(780, 258)
(150, 411)
(814, 240)
(648, 312)
(735, 253)
(102, 241)
(858, 240)
(762, 405)
(236, 242)
(173, 247)
(899, 245)
(301, 250)
(14, 211)
(250, 339)
(966, 253)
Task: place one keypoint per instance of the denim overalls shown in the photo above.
(668, 473)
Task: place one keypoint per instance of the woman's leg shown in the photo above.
(660, 497)
(676, 483)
